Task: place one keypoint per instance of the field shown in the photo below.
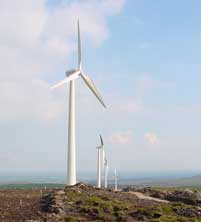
(31, 186)
(19, 204)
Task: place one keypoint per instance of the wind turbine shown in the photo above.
(105, 165)
(99, 162)
(115, 180)
(71, 75)
(105, 169)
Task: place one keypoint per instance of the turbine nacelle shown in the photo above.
(70, 72)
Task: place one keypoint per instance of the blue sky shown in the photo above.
(143, 56)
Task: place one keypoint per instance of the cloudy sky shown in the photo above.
(144, 56)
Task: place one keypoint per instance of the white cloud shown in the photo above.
(113, 6)
(22, 22)
(36, 42)
(34, 99)
(121, 138)
(151, 138)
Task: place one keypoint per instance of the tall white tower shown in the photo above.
(105, 171)
(99, 162)
(115, 180)
(71, 75)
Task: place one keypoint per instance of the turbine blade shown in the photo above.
(59, 84)
(79, 46)
(93, 88)
(101, 139)
(66, 80)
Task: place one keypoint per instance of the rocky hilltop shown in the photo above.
(85, 203)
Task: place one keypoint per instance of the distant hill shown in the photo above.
(194, 181)
(191, 181)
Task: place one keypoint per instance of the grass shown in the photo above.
(31, 186)
(69, 219)
(105, 208)
(99, 206)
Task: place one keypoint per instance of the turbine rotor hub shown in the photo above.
(70, 72)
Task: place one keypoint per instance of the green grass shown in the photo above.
(106, 208)
(30, 186)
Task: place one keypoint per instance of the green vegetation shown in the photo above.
(85, 203)
(31, 186)
(69, 219)
(95, 205)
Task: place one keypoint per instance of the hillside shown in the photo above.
(86, 203)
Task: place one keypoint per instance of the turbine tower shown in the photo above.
(71, 75)
(99, 162)
(105, 170)
(105, 165)
(115, 180)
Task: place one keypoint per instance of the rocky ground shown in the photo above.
(185, 196)
(86, 203)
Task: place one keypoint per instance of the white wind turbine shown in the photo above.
(115, 180)
(71, 75)
(105, 165)
(99, 162)
(105, 169)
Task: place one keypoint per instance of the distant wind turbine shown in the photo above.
(105, 169)
(105, 166)
(115, 180)
(71, 75)
(99, 162)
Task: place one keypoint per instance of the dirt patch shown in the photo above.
(145, 197)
